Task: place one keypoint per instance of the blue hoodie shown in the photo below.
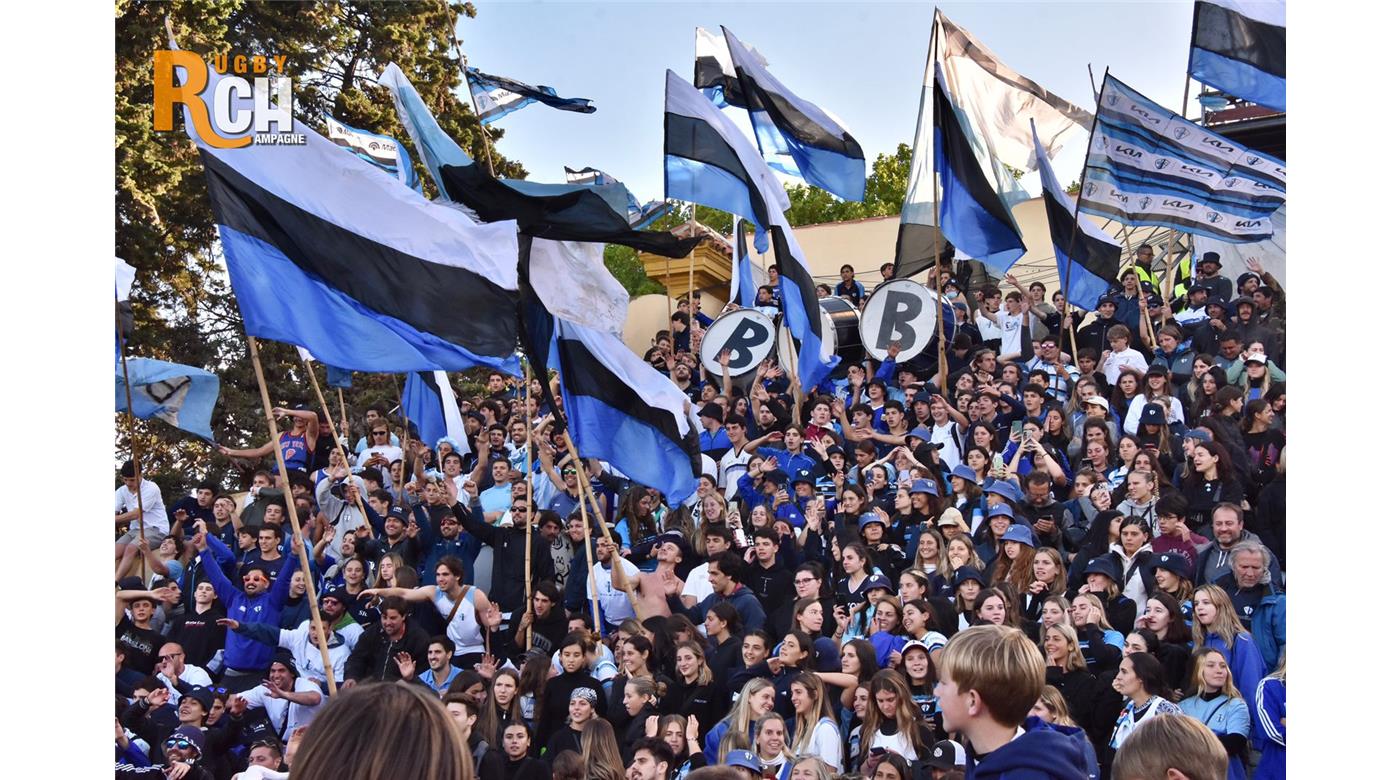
(1043, 752)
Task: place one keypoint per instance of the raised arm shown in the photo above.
(417, 595)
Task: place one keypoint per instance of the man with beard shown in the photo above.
(288, 700)
(259, 601)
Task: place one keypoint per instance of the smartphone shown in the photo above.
(998, 462)
(733, 507)
(1017, 427)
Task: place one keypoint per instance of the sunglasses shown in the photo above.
(183, 743)
(517, 509)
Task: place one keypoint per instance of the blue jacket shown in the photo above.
(240, 652)
(1043, 752)
(750, 611)
(1270, 628)
(1246, 666)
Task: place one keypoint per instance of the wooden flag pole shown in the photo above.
(131, 438)
(471, 98)
(587, 529)
(529, 514)
(300, 552)
(690, 286)
(344, 421)
(403, 448)
(316, 386)
(938, 252)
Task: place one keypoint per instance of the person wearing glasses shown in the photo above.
(185, 748)
(381, 451)
(173, 670)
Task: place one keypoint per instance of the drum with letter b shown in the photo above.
(747, 334)
(902, 311)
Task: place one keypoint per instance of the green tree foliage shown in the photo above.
(626, 264)
(884, 194)
(184, 310)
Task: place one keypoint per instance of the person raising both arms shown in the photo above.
(297, 445)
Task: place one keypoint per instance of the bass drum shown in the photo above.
(925, 364)
(840, 335)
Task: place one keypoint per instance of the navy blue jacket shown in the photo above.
(1044, 752)
(241, 652)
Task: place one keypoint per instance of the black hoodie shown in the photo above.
(547, 632)
(553, 710)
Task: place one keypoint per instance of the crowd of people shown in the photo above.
(1054, 554)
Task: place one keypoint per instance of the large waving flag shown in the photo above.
(786, 126)
(497, 96)
(381, 151)
(431, 403)
(560, 212)
(1086, 256)
(182, 396)
(973, 123)
(1237, 46)
(325, 251)
(708, 161)
(714, 69)
(1149, 166)
(619, 408)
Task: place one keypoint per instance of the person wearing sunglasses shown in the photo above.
(185, 746)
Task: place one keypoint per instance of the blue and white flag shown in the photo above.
(560, 212)
(182, 396)
(1237, 46)
(381, 151)
(651, 211)
(743, 282)
(496, 96)
(325, 251)
(619, 408)
(708, 161)
(1086, 256)
(1149, 166)
(793, 132)
(973, 123)
(335, 377)
(431, 404)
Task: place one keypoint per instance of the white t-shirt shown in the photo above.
(613, 602)
(1114, 364)
(284, 721)
(732, 466)
(697, 584)
(947, 433)
(1010, 326)
(152, 504)
(192, 675)
(825, 743)
(389, 452)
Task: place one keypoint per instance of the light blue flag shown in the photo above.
(430, 402)
(182, 396)
(381, 151)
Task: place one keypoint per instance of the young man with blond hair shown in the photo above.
(1171, 747)
(989, 678)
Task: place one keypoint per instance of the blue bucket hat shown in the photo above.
(1018, 533)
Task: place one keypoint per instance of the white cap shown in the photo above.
(1097, 400)
(1257, 357)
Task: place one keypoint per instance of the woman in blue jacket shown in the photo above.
(736, 731)
(1217, 626)
(1218, 704)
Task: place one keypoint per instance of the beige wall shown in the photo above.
(867, 244)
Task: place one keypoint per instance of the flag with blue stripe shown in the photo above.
(638, 216)
(708, 161)
(431, 403)
(325, 251)
(1150, 166)
(823, 151)
(562, 212)
(1239, 48)
(743, 284)
(182, 396)
(619, 408)
(496, 96)
(381, 151)
(1086, 256)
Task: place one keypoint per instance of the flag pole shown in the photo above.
(690, 283)
(1078, 199)
(325, 409)
(937, 234)
(292, 513)
(471, 98)
(131, 438)
(403, 448)
(529, 510)
(344, 421)
(587, 531)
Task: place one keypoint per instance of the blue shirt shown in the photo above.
(714, 441)
(427, 679)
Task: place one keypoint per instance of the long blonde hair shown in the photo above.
(786, 752)
(805, 725)
(1198, 674)
(906, 716)
(601, 758)
(1227, 623)
(1075, 657)
(740, 718)
(1054, 701)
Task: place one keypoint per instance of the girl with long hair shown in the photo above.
(771, 746)
(502, 705)
(1135, 558)
(1216, 702)
(682, 735)
(1218, 626)
(991, 607)
(967, 586)
(1102, 646)
(601, 758)
(641, 699)
(1068, 672)
(893, 722)
(736, 730)
(962, 552)
(724, 627)
(1013, 563)
(533, 676)
(1142, 683)
(696, 692)
(928, 558)
(1052, 708)
(554, 710)
(1163, 619)
(855, 562)
(918, 621)
(1048, 578)
(917, 664)
(1157, 388)
(814, 731)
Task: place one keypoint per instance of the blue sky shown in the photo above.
(863, 61)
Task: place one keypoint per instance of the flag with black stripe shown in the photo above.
(710, 162)
(431, 404)
(1086, 256)
(562, 212)
(619, 409)
(325, 251)
(1239, 48)
(824, 152)
(497, 96)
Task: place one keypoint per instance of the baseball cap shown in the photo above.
(1017, 532)
(1257, 357)
(947, 754)
(743, 758)
(1096, 400)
